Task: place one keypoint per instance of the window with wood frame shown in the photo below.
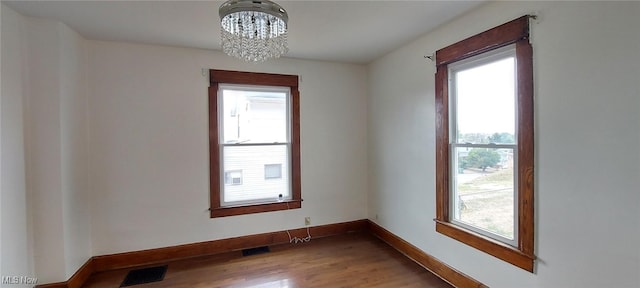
(484, 142)
(254, 142)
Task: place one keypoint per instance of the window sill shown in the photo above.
(255, 208)
(490, 246)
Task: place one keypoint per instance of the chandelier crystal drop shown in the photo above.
(253, 31)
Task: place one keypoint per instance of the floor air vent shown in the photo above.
(255, 251)
(144, 275)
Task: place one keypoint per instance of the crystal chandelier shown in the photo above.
(253, 30)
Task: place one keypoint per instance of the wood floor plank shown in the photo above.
(351, 260)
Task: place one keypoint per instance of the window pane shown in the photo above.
(254, 117)
(485, 103)
(251, 160)
(483, 189)
(273, 171)
(233, 177)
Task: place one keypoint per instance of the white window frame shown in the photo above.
(469, 63)
(254, 88)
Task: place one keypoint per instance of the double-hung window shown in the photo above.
(484, 146)
(254, 142)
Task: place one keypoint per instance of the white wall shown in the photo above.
(148, 141)
(58, 147)
(15, 243)
(44, 157)
(74, 149)
(1, 141)
(146, 160)
(149, 146)
(587, 102)
(46, 217)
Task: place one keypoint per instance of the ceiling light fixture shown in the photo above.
(253, 30)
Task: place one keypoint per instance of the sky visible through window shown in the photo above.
(486, 98)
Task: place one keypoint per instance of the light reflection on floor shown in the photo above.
(284, 283)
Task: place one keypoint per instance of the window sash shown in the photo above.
(453, 68)
(253, 88)
(453, 185)
(288, 195)
(473, 62)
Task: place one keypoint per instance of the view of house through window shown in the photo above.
(254, 136)
(483, 144)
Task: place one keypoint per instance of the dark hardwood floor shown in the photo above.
(352, 260)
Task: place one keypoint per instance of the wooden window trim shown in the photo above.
(516, 31)
(217, 77)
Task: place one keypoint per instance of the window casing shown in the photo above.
(503, 156)
(253, 123)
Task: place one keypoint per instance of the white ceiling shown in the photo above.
(342, 31)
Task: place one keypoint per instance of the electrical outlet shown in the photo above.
(307, 221)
